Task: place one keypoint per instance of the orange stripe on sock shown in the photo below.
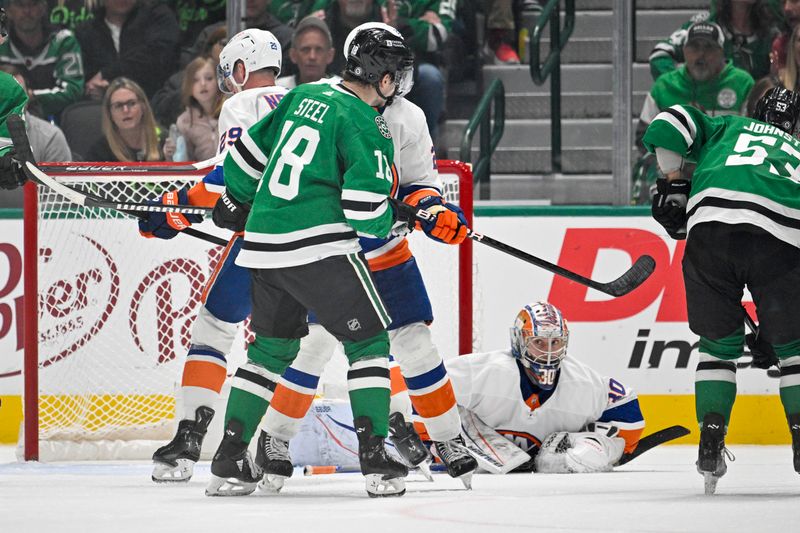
(290, 403)
(422, 431)
(398, 383)
(203, 374)
(434, 403)
(631, 437)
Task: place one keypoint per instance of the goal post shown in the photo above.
(108, 330)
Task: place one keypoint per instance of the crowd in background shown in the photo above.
(138, 76)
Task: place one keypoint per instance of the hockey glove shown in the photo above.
(761, 351)
(167, 225)
(669, 206)
(229, 213)
(447, 223)
(11, 173)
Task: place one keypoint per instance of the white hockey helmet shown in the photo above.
(256, 49)
(539, 340)
(405, 80)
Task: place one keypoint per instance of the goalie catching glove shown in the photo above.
(669, 206)
(229, 213)
(447, 223)
(11, 173)
(167, 225)
(597, 449)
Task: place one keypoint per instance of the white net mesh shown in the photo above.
(115, 314)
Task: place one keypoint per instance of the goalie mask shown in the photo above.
(374, 49)
(539, 340)
(779, 107)
(256, 49)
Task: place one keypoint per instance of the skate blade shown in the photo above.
(271, 483)
(377, 487)
(710, 483)
(164, 473)
(466, 479)
(425, 469)
(220, 486)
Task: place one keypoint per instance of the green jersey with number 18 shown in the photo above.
(748, 172)
(317, 170)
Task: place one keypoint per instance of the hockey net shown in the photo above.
(108, 334)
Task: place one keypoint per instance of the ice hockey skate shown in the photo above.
(174, 462)
(233, 472)
(384, 476)
(274, 461)
(409, 445)
(711, 453)
(794, 429)
(460, 464)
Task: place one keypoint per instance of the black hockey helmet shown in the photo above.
(374, 52)
(779, 107)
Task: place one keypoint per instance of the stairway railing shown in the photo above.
(551, 67)
(490, 136)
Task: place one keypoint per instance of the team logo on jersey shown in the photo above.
(383, 127)
(726, 98)
(353, 324)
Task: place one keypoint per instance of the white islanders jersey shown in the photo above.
(489, 385)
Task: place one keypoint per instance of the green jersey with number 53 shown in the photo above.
(317, 170)
(748, 172)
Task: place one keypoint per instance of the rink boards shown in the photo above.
(641, 339)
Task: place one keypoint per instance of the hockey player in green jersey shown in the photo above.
(12, 102)
(740, 214)
(317, 171)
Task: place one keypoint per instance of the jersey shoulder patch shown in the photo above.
(383, 127)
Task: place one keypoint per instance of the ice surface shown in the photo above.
(659, 492)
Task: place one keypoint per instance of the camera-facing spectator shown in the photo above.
(130, 132)
(312, 52)
(202, 101)
(47, 140)
(49, 57)
(749, 27)
(129, 38)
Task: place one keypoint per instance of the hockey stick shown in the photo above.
(651, 441)
(316, 470)
(121, 168)
(19, 137)
(629, 280)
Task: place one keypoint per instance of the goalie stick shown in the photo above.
(19, 137)
(652, 440)
(629, 280)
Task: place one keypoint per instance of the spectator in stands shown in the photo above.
(749, 27)
(501, 35)
(50, 58)
(129, 38)
(70, 13)
(202, 101)
(47, 140)
(167, 100)
(706, 81)
(312, 52)
(791, 18)
(788, 74)
(258, 16)
(129, 128)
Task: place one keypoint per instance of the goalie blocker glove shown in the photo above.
(11, 173)
(447, 223)
(167, 225)
(669, 206)
(229, 213)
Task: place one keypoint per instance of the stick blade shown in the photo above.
(19, 137)
(632, 278)
(654, 439)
